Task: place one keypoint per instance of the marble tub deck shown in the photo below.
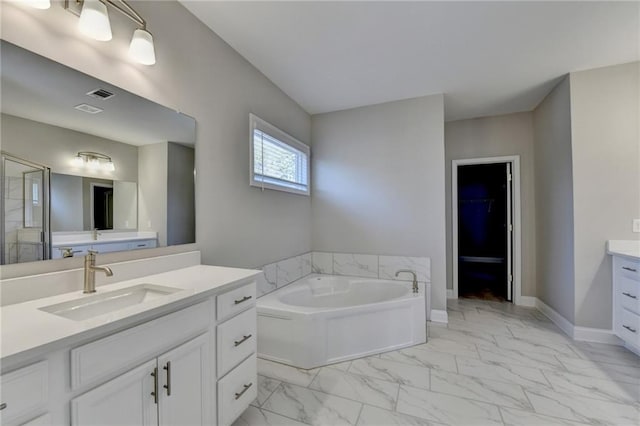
(493, 364)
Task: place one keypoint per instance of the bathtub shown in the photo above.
(325, 319)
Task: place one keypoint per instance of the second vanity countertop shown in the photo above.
(26, 329)
(629, 249)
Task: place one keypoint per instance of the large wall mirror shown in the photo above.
(86, 165)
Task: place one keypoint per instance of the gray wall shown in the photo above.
(152, 189)
(606, 180)
(199, 74)
(554, 201)
(56, 146)
(181, 214)
(66, 203)
(378, 183)
(497, 136)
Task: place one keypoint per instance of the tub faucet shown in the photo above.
(415, 278)
(90, 269)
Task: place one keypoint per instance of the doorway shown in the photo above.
(101, 206)
(486, 234)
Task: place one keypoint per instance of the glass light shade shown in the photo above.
(141, 48)
(108, 166)
(38, 4)
(77, 161)
(93, 163)
(94, 20)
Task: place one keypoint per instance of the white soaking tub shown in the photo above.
(324, 319)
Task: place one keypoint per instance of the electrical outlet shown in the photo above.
(636, 225)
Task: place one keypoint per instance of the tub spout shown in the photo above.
(415, 277)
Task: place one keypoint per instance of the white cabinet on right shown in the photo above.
(626, 301)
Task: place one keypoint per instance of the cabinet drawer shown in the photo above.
(629, 327)
(629, 294)
(234, 301)
(136, 245)
(23, 391)
(44, 420)
(236, 340)
(104, 358)
(628, 268)
(236, 391)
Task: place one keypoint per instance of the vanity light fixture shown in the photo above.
(93, 161)
(94, 23)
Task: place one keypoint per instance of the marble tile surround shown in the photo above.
(461, 376)
(279, 274)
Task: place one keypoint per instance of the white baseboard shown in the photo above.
(586, 334)
(449, 293)
(528, 301)
(439, 316)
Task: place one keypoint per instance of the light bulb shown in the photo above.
(38, 4)
(108, 166)
(141, 48)
(94, 20)
(77, 161)
(93, 164)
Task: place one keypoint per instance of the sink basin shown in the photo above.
(111, 301)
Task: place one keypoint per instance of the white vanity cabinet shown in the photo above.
(23, 394)
(626, 301)
(173, 389)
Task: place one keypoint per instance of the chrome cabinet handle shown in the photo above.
(633, 330)
(244, 299)
(141, 245)
(629, 269)
(246, 387)
(3, 406)
(168, 385)
(630, 295)
(241, 341)
(155, 385)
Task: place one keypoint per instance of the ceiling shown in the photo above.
(486, 57)
(39, 89)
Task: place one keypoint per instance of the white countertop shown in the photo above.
(629, 249)
(26, 329)
(72, 239)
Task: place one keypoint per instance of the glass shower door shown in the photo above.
(24, 211)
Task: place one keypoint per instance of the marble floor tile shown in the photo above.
(591, 387)
(455, 314)
(286, 373)
(494, 313)
(363, 389)
(266, 386)
(485, 390)
(447, 409)
(526, 377)
(514, 357)
(374, 416)
(514, 417)
(312, 407)
(461, 336)
(617, 372)
(538, 346)
(493, 319)
(397, 372)
(343, 366)
(611, 354)
(586, 410)
(476, 327)
(451, 347)
(256, 417)
(537, 334)
(422, 358)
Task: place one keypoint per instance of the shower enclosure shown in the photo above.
(24, 211)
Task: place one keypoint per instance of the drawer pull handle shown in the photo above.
(155, 385)
(244, 299)
(633, 330)
(246, 387)
(141, 245)
(3, 406)
(630, 295)
(241, 341)
(629, 269)
(168, 385)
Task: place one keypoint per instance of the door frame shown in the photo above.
(516, 218)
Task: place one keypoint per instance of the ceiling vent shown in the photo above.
(101, 94)
(88, 109)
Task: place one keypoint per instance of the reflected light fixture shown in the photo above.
(38, 4)
(94, 23)
(93, 161)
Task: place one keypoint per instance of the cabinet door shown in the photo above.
(185, 378)
(125, 400)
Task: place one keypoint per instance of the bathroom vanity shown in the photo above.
(174, 348)
(626, 291)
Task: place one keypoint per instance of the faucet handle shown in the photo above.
(91, 252)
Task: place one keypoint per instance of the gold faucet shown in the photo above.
(90, 269)
(95, 233)
(415, 278)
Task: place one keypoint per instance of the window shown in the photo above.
(278, 161)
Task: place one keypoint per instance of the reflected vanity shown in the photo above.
(88, 165)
